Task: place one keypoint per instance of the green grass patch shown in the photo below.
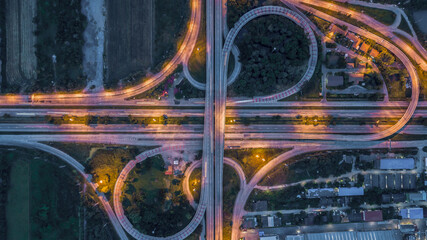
(404, 26)
(171, 23)
(18, 206)
(308, 166)
(381, 15)
(253, 159)
(60, 26)
(282, 199)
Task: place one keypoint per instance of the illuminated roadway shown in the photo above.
(399, 54)
(216, 127)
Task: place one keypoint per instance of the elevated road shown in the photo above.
(268, 131)
(209, 127)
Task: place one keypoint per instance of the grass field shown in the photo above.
(18, 206)
(129, 48)
(21, 61)
(307, 166)
(404, 26)
(381, 15)
(253, 159)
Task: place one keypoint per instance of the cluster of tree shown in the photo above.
(54, 200)
(4, 187)
(282, 199)
(320, 23)
(60, 26)
(105, 166)
(372, 80)
(186, 91)
(231, 186)
(158, 211)
(236, 9)
(271, 48)
(98, 226)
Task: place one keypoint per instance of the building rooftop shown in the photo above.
(374, 53)
(412, 213)
(353, 37)
(351, 191)
(365, 47)
(372, 235)
(335, 29)
(320, 192)
(355, 77)
(350, 65)
(372, 216)
(419, 196)
(397, 163)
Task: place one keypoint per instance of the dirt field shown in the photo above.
(21, 61)
(129, 36)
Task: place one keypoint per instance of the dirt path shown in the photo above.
(93, 49)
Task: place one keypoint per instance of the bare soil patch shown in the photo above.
(21, 61)
(129, 38)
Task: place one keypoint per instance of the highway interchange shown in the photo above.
(215, 135)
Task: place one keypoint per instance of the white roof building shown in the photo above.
(397, 163)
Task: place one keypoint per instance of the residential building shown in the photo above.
(320, 192)
(335, 29)
(355, 78)
(295, 237)
(374, 53)
(275, 237)
(412, 213)
(415, 197)
(396, 163)
(169, 171)
(352, 37)
(350, 65)
(350, 191)
(365, 47)
(249, 223)
(271, 221)
(407, 228)
(372, 216)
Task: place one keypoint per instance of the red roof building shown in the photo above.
(169, 171)
(365, 47)
(372, 216)
(374, 53)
